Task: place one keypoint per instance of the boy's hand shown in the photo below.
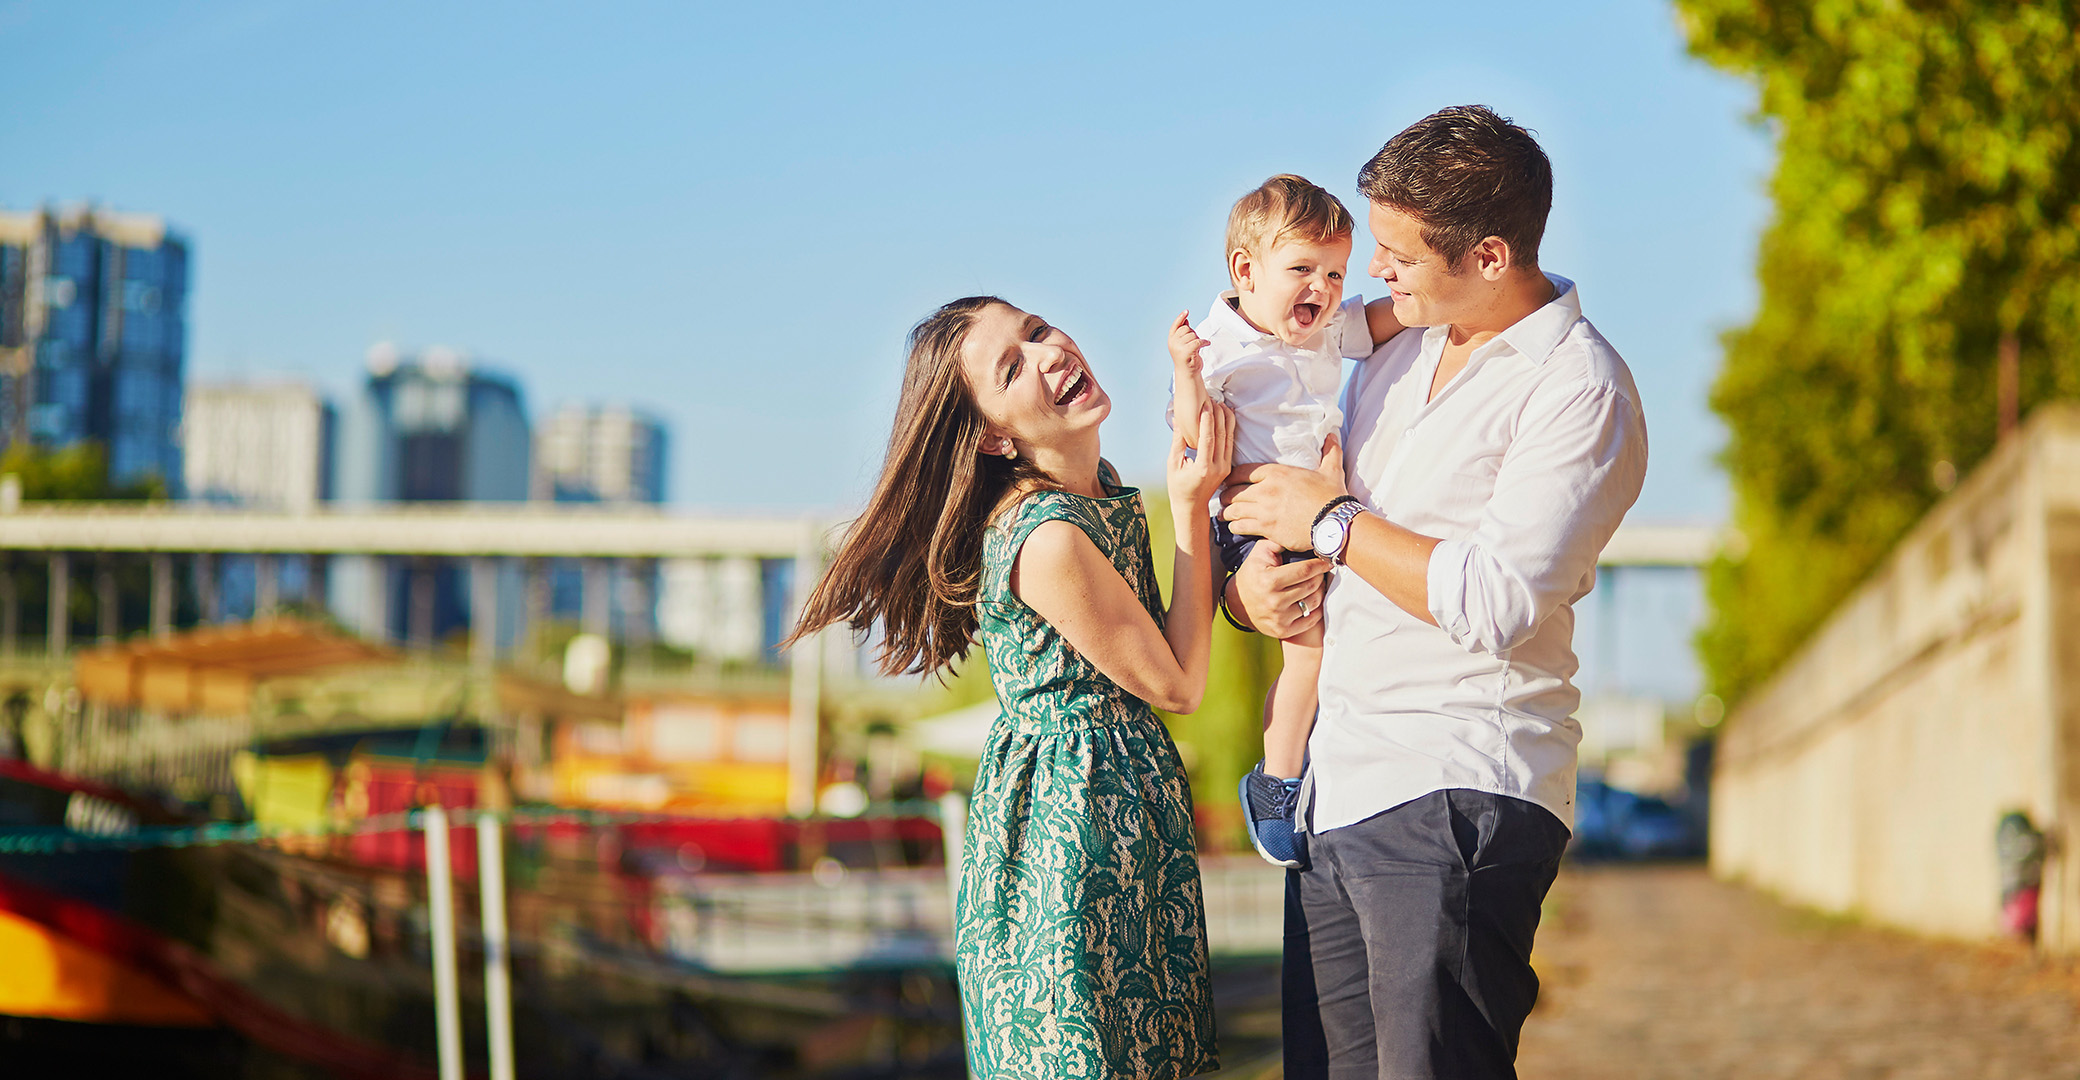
(1185, 344)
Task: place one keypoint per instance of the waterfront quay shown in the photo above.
(1660, 972)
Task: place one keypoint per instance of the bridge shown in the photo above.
(484, 535)
(532, 530)
(490, 539)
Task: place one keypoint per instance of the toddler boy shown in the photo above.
(1272, 349)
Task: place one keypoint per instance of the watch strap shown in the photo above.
(1347, 514)
(1331, 505)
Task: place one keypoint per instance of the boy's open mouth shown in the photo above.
(1306, 314)
(1080, 382)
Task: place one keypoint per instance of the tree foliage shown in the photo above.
(1927, 209)
(77, 472)
(74, 473)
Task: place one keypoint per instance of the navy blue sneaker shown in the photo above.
(1268, 804)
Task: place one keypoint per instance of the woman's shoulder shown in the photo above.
(1056, 546)
(1021, 514)
(1016, 522)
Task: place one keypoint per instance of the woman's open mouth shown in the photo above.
(1079, 384)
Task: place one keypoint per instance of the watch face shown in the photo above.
(1328, 536)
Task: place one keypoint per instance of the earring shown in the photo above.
(1010, 452)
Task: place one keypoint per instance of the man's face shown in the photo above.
(1425, 290)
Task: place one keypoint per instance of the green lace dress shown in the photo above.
(1080, 936)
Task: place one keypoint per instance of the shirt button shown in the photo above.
(1327, 641)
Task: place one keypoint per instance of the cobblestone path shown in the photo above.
(1661, 972)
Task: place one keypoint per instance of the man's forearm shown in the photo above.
(1394, 561)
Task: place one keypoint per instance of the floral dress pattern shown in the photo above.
(1080, 936)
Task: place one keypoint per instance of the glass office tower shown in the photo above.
(431, 427)
(93, 336)
(611, 454)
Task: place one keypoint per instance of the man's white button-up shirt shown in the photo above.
(1524, 464)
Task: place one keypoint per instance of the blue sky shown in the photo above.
(731, 215)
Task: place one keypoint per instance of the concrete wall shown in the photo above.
(1867, 777)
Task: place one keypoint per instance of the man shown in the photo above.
(1487, 460)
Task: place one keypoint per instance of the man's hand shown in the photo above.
(1278, 599)
(1279, 502)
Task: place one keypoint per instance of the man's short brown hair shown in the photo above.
(1466, 174)
(1281, 207)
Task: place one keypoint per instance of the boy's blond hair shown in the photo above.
(1282, 207)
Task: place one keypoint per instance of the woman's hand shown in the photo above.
(1195, 478)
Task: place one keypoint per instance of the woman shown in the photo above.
(1080, 936)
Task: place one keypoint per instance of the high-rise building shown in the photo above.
(601, 454)
(431, 427)
(93, 336)
(257, 444)
(611, 454)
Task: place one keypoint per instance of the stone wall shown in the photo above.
(1868, 776)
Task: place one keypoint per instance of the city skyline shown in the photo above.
(733, 221)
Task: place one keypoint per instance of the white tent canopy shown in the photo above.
(959, 733)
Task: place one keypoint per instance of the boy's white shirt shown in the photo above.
(1285, 399)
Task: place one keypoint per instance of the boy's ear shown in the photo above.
(1242, 270)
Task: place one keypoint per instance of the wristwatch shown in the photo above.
(1332, 528)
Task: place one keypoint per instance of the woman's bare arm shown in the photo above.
(1068, 582)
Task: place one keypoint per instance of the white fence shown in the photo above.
(834, 918)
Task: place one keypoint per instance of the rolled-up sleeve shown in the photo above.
(1574, 466)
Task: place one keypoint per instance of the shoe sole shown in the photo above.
(1242, 793)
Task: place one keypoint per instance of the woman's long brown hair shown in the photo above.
(913, 561)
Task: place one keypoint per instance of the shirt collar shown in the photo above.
(1224, 322)
(1536, 335)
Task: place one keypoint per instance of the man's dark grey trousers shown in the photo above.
(1408, 940)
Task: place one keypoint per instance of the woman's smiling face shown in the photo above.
(1030, 381)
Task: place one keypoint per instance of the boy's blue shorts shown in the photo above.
(1235, 547)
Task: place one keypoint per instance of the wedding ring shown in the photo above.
(1303, 608)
